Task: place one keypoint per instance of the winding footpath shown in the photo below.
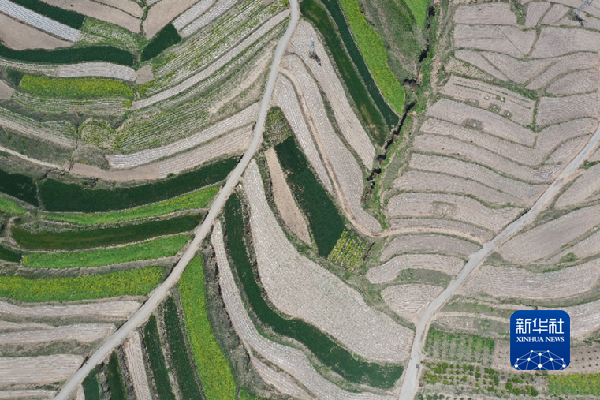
(159, 294)
(409, 386)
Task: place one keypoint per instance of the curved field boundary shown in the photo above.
(215, 12)
(338, 16)
(359, 91)
(70, 55)
(66, 17)
(192, 13)
(98, 70)
(110, 309)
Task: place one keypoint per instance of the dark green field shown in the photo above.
(182, 364)
(157, 360)
(117, 388)
(91, 386)
(69, 18)
(71, 55)
(327, 351)
(371, 116)
(324, 219)
(20, 186)
(58, 196)
(9, 255)
(166, 38)
(87, 239)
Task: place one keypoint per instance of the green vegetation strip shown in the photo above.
(86, 239)
(74, 88)
(114, 377)
(135, 282)
(213, 370)
(91, 386)
(20, 186)
(166, 38)
(198, 199)
(309, 7)
(72, 55)
(10, 207)
(324, 219)
(182, 364)
(326, 350)
(9, 255)
(58, 196)
(318, 16)
(573, 384)
(162, 247)
(419, 10)
(349, 251)
(459, 347)
(157, 360)
(373, 50)
(69, 18)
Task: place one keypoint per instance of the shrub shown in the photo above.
(72, 55)
(166, 38)
(199, 199)
(369, 113)
(324, 219)
(326, 350)
(135, 282)
(10, 207)
(115, 379)
(182, 365)
(9, 255)
(69, 18)
(85, 239)
(162, 247)
(213, 370)
(91, 386)
(74, 87)
(59, 196)
(157, 360)
(20, 186)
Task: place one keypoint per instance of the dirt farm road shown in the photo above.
(159, 294)
(409, 385)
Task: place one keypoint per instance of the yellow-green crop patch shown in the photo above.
(162, 247)
(135, 282)
(373, 50)
(189, 201)
(11, 207)
(213, 369)
(74, 87)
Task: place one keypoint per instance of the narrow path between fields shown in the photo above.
(159, 294)
(411, 375)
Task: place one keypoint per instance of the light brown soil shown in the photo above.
(144, 75)
(576, 82)
(565, 64)
(554, 42)
(146, 172)
(162, 13)
(6, 91)
(408, 301)
(19, 36)
(135, 365)
(535, 10)
(519, 71)
(547, 239)
(583, 188)
(428, 243)
(475, 58)
(38, 370)
(282, 381)
(27, 394)
(404, 226)
(554, 14)
(129, 6)
(552, 110)
(489, 14)
(115, 310)
(291, 214)
(99, 11)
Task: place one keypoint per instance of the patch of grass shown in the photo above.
(349, 251)
(135, 282)
(199, 199)
(115, 379)
(459, 347)
(87, 239)
(419, 10)
(166, 38)
(162, 247)
(373, 50)
(325, 349)
(69, 18)
(20, 186)
(182, 365)
(573, 384)
(75, 88)
(366, 107)
(59, 196)
(91, 386)
(212, 367)
(569, 257)
(10, 207)
(70, 55)
(157, 360)
(324, 219)
(9, 255)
